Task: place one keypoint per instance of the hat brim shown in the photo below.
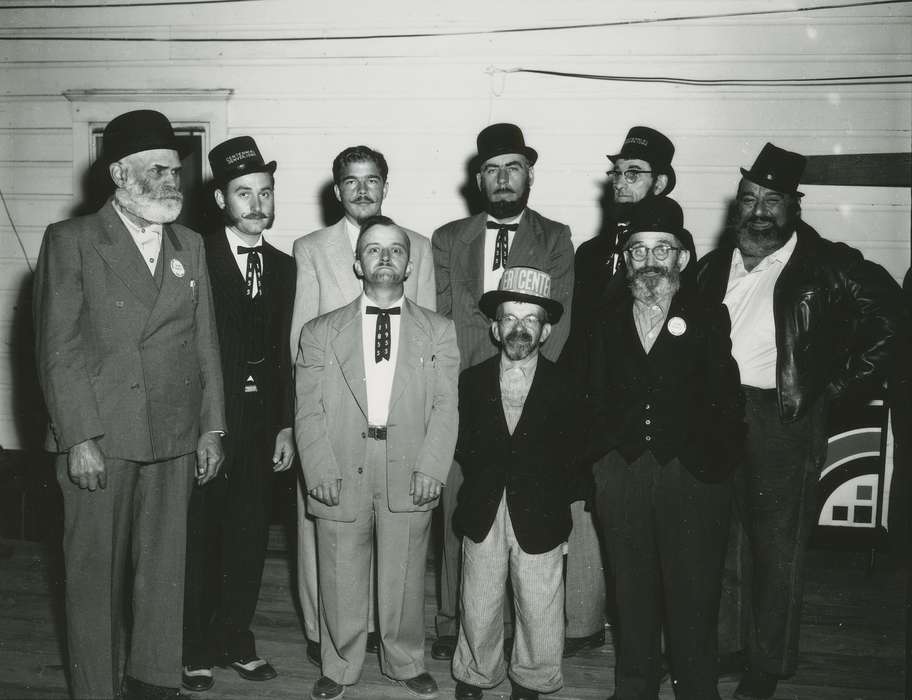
(183, 150)
(776, 185)
(245, 169)
(530, 153)
(491, 300)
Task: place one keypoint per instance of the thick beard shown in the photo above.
(518, 344)
(135, 197)
(623, 211)
(761, 243)
(504, 209)
(649, 290)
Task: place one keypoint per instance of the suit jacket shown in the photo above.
(458, 259)
(683, 399)
(326, 279)
(120, 359)
(229, 296)
(537, 465)
(331, 414)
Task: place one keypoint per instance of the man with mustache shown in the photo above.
(253, 292)
(469, 257)
(811, 320)
(520, 429)
(326, 281)
(128, 360)
(668, 411)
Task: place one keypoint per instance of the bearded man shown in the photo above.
(811, 320)
(470, 256)
(668, 418)
(128, 361)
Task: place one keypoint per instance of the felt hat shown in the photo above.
(777, 169)
(497, 139)
(645, 143)
(137, 131)
(236, 157)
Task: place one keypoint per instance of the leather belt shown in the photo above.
(376, 432)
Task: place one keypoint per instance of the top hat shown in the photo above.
(497, 139)
(658, 214)
(644, 143)
(236, 157)
(777, 169)
(525, 284)
(137, 131)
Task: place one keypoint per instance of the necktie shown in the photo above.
(254, 271)
(502, 243)
(383, 338)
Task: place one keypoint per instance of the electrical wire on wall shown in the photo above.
(16, 231)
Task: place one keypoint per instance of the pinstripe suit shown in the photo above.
(458, 258)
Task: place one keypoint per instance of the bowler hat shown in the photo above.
(526, 284)
(777, 169)
(137, 131)
(236, 157)
(645, 143)
(658, 214)
(497, 139)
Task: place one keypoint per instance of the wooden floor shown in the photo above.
(853, 638)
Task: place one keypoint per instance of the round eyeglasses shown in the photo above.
(630, 176)
(659, 252)
(530, 323)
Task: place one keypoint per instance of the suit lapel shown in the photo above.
(177, 275)
(527, 249)
(227, 282)
(413, 340)
(115, 244)
(349, 351)
(534, 410)
(340, 255)
(471, 265)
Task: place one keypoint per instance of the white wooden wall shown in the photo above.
(421, 100)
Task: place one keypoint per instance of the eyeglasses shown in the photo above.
(630, 176)
(530, 323)
(659, 252)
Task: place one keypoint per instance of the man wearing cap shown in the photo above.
(128, 360)
(469, 257)
(519, 434)
(376, 424)
(811, 320)
(669, 415)
(252, 292)
(327, 281)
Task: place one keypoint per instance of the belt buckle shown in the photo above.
(377, 432)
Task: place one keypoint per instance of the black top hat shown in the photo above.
(236, 157)
(661, 214)
(497, 139)
(137, 131)
(526, 284)
(644, 143)
(777, 169)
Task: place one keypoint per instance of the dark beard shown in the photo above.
(653, 288)
(623, 211)
(518, 344)
(759, 244)
(503, 209)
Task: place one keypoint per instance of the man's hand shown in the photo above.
(209, 457)
(327, 492)
(86, 465)
(424, 488)
(284, 452)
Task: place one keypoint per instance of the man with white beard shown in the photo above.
(128, 361)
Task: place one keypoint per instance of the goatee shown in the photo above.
(518, 344)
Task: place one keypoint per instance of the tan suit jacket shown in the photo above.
(331, 416)
(326, 279)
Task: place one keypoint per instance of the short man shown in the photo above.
(252, 293)
(128, 360)
(520, 426)
(376, 426)
(811, 320)
(469, 257)
(327, 281)
(668, 406)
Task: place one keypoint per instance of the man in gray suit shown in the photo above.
(128, 361)
(469, 257)
(376, 426)
(325, 281)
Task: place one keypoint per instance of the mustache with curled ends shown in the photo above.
(364, 200)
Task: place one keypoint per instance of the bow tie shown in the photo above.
(254, 276)
(505, 227)
(502, 243)
(383, 342)
(241, 249)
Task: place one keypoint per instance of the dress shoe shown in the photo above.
(313, 653)
(421, 686)
(732, 665)
(521, 693)
(197, 678)
(255, 669)
(373, 643)
(465, 691)
(326, 689)
(756, 685)
(575, 645)
(443, 647)
(135, 689)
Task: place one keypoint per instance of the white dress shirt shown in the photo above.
(492, 277)
(234, 241)
(379, 375)
(353, 230)
(749, 298)
(147, 238)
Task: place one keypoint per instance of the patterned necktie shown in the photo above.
(254, 271)
(383, 342)
(502, 243)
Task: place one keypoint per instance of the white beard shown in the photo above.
(134, 198)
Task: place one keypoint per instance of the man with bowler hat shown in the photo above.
(668, 410)
(520, 429)
(253, 293)
(812, 320)
(128, 360)
(469, 257)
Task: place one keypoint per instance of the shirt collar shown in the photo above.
(511, 220)
(351, 230)
(526, 365)
(365, 302)
(235, 240)
(135, 229)
(645, 307)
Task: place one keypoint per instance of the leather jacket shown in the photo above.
(836, 316)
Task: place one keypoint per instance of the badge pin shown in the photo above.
(177, 268)
(677, 325)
